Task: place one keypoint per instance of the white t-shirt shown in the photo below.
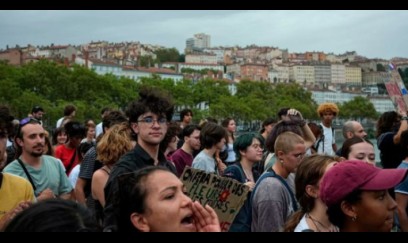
(98, 129)
(302, 225)
(59, 122)
(73, 175)
(326, 146)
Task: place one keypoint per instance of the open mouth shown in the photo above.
(187, 220)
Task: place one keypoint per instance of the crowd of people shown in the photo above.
(123, 174)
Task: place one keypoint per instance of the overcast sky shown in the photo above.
(371, 33)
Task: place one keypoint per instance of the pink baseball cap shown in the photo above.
(347, 176)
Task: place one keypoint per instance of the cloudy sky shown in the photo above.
(372, 33)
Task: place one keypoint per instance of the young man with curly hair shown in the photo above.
(148, 119)
(327, 112)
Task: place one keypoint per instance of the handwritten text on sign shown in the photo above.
(225, 195)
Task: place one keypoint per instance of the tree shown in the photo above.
(358, 108)
(167, 55)
(146, 61)
(182, 58)
(380, 68)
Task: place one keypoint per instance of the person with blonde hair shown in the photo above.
(327, 112)
(116, 142)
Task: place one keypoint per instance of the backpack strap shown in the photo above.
(283, 181)
(271, 173)
(240, 170)
(27, 174)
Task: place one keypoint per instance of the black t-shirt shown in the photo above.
(135, 159)
(391, 154)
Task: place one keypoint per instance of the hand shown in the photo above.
(220, 165)
(12, 213)
(46, 194)
(250, 184)
(205, 218)
(402, 113)
(294, 112)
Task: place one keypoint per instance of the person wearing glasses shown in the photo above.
(16, 193)
(248, 149)
(45, 173)
(148, 119)
(273, 201)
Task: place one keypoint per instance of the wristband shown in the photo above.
(404, 118)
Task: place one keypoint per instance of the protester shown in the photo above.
(273, 201)
(327, 113)
(69, 114)
(312, 215)
(352, 129)
(184, 156)
(390, 125)
(16, 193)
(248, 149)
(357, 197)
(357, 148)
(54, 215)
(153, 199)
(148, 118)
(46, 173)
(37, 113)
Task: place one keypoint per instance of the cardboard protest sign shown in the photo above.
(396, 90)
(226, 196)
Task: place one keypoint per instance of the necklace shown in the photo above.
(322, 228)
(248, 175)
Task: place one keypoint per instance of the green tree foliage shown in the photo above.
(146, 61)
(167, 55)
(380, 68)
(53, 86)
(358, 108)
(202, 72)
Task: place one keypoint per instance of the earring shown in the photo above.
(354, 218)
(281, 161)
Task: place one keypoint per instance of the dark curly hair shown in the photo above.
(150, 100)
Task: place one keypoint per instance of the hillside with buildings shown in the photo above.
(330, 77)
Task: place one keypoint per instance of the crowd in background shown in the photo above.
(122, 174)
